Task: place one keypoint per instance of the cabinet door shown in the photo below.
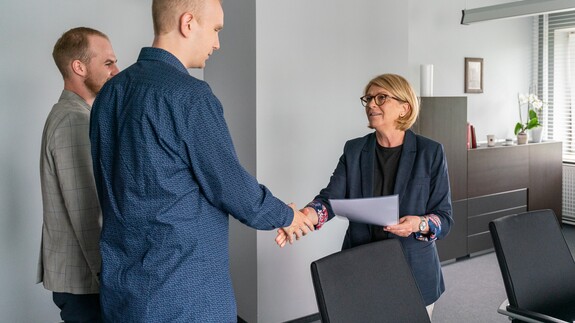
(481, 210)
(546, 177)
(444, 119)
(455, 244)
(499, 169)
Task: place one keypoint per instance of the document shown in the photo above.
(383, 210)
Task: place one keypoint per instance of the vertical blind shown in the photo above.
(554, 76)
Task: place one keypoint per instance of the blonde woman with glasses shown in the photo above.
(393, 160)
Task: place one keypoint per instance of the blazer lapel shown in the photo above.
(366, 162)
(406, 163)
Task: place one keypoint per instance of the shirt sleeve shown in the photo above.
(223, 180)
(434, 225)
(322, 214)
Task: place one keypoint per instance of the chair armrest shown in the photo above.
(526, 315)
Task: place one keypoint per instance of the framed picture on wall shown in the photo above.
(473, 75)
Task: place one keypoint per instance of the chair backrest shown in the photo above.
(368, 283)
(535, 261)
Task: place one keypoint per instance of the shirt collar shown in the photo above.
(72, 96)
(158, 54)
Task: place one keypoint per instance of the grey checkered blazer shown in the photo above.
(69, 255)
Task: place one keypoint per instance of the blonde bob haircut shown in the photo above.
(400, 88)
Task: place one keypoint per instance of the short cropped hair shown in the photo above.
(72, 45)
(165, 13)
(400, 88)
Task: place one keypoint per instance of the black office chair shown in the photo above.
(537, 267)
(368, 283)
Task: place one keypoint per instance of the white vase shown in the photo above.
(522, 138)
(535, 134)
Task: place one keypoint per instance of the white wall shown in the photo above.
(314, 58)
(436, 37)
(312, 61)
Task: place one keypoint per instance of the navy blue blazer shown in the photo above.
(422, 184)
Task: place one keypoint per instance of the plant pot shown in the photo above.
(522, 138)
(535, 134)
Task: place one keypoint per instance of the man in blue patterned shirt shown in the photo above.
(168, 177)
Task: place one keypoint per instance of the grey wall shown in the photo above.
(289, 75)
(231, 73)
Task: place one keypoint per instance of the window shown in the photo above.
(554, 75)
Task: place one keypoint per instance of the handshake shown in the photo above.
(303, 222)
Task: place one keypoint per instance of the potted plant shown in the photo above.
(534, 106)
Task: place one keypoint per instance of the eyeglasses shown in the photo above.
(379, 99)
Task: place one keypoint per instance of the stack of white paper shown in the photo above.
(383, 210)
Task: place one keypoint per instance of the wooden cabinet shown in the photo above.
(506, 180)
(497, 169)
(484, 209)
(546, 177)
(444, 119)
(488, 182)
(455, 244)
(535, 167)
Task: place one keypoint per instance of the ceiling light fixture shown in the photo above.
(515, 9)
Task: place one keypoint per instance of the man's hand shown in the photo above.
(311, 214)
(299, 227)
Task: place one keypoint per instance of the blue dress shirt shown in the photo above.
(167, 177)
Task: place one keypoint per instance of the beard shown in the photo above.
(93, 84)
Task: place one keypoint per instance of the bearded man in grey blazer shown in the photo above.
(70, 260)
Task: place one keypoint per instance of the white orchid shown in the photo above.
(534, 105)
(530, 99)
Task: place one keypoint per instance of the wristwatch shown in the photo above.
(423, 223)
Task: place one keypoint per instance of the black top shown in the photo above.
(385, 171)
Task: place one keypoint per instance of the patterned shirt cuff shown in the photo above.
(321, 211)
(434, 224)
